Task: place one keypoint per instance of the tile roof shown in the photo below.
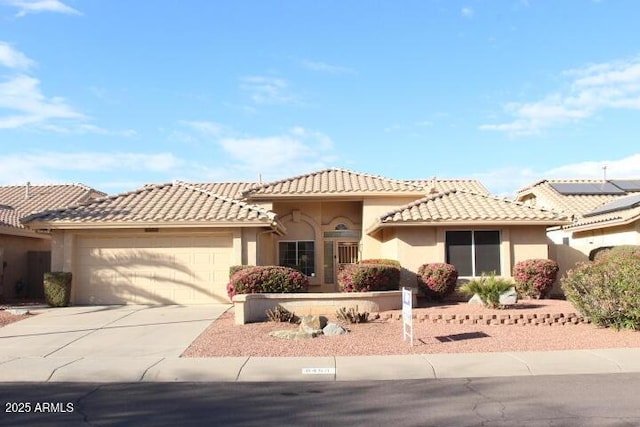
(17, 201)
(442, 185)
(463, 207)
(178, 203)
(622, 210)
(572, 204)
(232, 190)
(339, 182)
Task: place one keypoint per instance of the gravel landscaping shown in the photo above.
(384, 336)
(6, 318)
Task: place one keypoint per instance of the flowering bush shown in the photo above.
(368, 277)
(607, 290)
(534, 277)
(267, 279)
(383, 261)
(235, 268)
(437, 280)
(614, 250)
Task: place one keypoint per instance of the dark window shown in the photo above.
(473, 253)
(299, 255)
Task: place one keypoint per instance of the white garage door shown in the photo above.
(152, 270)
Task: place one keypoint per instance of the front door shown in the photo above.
(337, 254)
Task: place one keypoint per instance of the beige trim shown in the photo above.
(71, 225)
(380, 225)
(19, 232)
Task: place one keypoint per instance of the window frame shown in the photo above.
(297, 253)
(474, 272)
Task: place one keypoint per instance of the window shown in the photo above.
(299, 255)
(473, 252)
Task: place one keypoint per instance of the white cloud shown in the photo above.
(11, 58)
(22, 95)
(297, 150)
(37, 6)
(467, 12)
(507, 181)
(208, 128)
(46, 166)
(594, 88)
(267, 90)
(327, 68)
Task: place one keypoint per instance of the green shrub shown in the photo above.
(488, 288)
(57, 288)
(615, 250)
(267, 279)
(607, 290)
(383, 261)
(352, 315)
(235, 268)
(368, 277)
(535, 277)
(437, 280)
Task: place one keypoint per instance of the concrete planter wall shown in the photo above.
(252, 307)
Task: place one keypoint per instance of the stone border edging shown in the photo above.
(528, 319)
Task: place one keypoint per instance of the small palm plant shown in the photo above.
(489, 288)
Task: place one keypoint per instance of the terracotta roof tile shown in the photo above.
(160, 204)
(17, 201)
(462, 206)
(335, 181)
(572, 204)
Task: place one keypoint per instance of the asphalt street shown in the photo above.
(569, 400)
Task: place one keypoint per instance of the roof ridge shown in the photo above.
(249, 206)
(334, 169)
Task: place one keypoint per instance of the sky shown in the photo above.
(119, 93)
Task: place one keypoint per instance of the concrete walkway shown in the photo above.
(141, 343)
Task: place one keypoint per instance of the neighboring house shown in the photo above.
(604, 213)
(24, 253)
(174, 243)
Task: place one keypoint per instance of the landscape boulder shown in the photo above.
(334, 329)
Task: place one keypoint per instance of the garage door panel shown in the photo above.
(151, 270)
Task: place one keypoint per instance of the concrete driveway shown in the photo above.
(128, 331)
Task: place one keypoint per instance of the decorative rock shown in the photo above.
(312, 324)
(475, 299)
(18, 311)
(292, 335)
(509, 297)
(334, 329)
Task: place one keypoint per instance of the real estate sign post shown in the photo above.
(407, 318)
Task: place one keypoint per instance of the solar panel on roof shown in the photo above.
(631, 185)
(617, 205)
(586, 188)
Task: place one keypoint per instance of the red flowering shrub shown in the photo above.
(383, 261)
(437, 280)
(534, 277)
(365, 277)
(267, 279)
(235, 268)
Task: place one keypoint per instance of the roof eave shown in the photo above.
(69, 225)
(336, 195)
(22, 232)
(463, 223)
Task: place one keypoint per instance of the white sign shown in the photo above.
(407, 315)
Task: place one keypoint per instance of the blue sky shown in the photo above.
(115, 94)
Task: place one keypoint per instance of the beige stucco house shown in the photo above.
(25, 253)
(603, 212)
(174, 243)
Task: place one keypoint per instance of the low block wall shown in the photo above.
(252, 307)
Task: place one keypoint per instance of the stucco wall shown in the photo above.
(15, 250)
(414, 246)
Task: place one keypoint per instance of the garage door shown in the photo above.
(152, 270)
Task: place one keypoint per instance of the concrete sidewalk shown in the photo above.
(339, 368)
(143, 343)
